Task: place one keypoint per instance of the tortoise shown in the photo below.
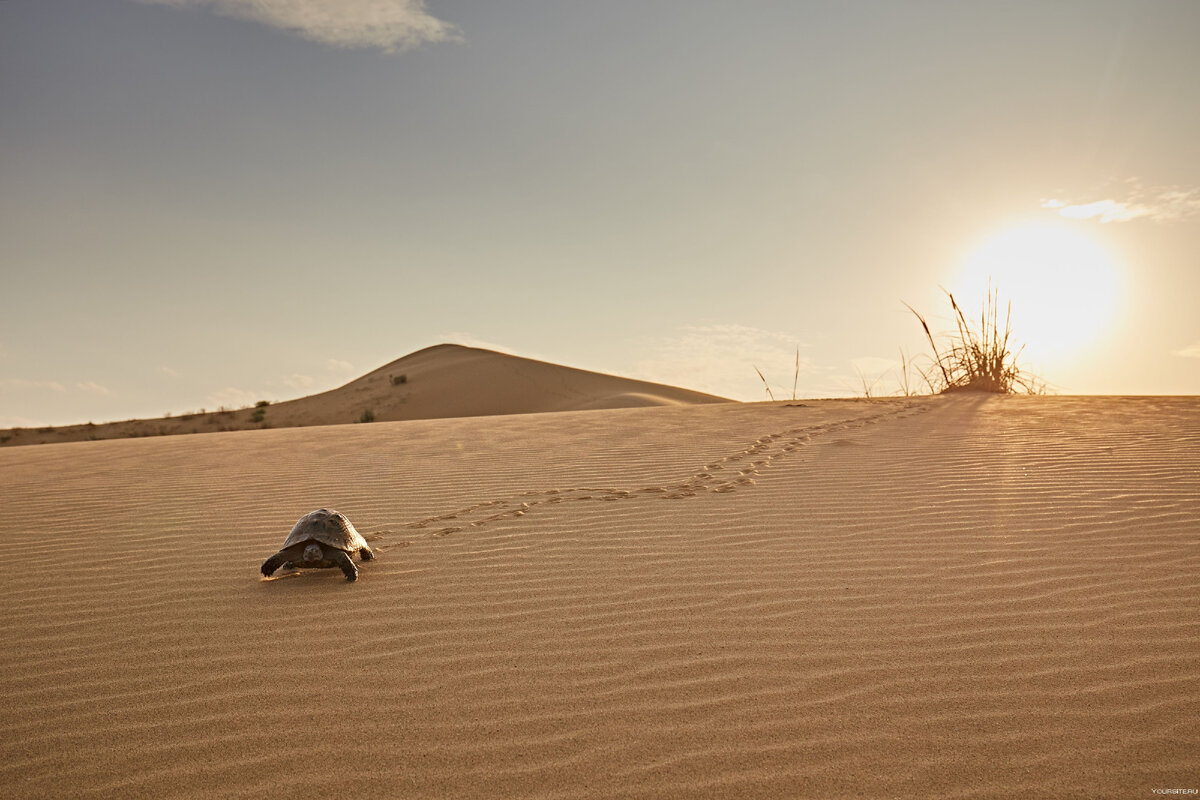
(321, 538)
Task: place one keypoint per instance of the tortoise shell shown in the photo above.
(330, 528)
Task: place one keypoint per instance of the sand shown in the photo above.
(965, 597)
(446, 380)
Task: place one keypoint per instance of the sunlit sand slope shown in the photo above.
(446, 380)
(962, 597)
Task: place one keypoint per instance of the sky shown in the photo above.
(206, 203)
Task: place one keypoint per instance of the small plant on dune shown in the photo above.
(259, 414)
(868, 386)
(795, 378)
(906, 385)
(262, 404)
(978, 358)
(367, 416)
(397, 380)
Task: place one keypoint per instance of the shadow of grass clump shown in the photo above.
(979, 359)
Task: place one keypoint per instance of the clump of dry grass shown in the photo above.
(979, 358)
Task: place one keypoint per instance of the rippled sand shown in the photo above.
(946, 597)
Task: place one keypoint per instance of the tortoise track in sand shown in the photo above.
(726, 474)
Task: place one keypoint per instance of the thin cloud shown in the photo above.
(93, 387)
(469, 340)
(298, 381)
(170, 373)
(1104, 211)
(1191, 351)
(232, 397)
(388, 25)
(1158, 204)
(872, 365)
(721, 360)
(337, 365)
(22, 383)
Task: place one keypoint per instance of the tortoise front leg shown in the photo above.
(274, 562)
(343, 560)
(366, 553)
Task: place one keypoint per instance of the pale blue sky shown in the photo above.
(211, 202)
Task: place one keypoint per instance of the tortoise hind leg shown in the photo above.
(342, 560)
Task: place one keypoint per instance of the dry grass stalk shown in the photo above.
(796, 377)
(770, 394)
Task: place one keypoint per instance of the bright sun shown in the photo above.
(1065, 288)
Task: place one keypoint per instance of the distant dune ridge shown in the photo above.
(450, 380)
(446, 380)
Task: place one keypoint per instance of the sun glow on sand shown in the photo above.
(1065, 287)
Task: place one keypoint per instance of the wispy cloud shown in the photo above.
(232, 397)
(872, 366)
(24, 384)
(470, 340)
(298, 381)
(93, 387)
(388, 25)
(1191, 351)
(170, 373)
(1159, 204)
(337, 365)
(721, 359)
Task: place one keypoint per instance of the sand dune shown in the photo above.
(446, 380)
(972, 597)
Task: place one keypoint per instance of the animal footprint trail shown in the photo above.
(724, 475)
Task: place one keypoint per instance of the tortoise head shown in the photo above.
(312, 553)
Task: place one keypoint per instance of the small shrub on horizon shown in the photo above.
(367, 416)
(262, 404)
(979, 359)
